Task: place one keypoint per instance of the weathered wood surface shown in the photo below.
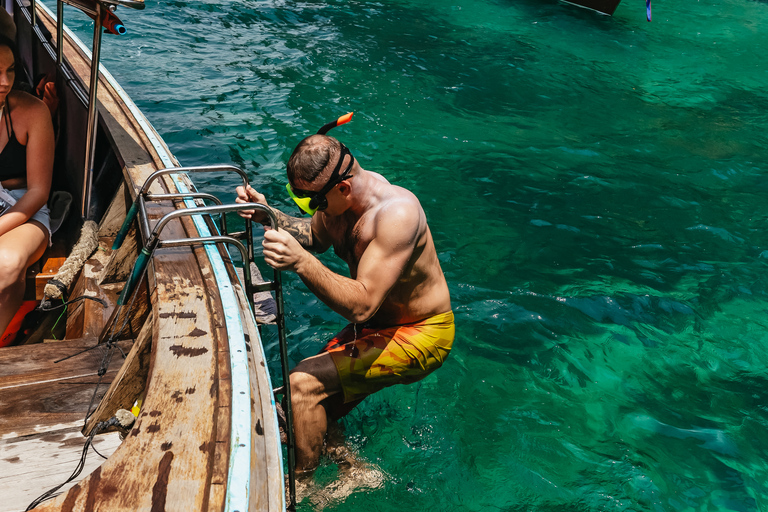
(267, 484)
(36, 393)
(35, 463)
(165, 462)
(129, 383)
(175, 458)
(86, 318)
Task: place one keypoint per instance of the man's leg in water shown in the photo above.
(312, 381)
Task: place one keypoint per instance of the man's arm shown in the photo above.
(300, 228)
(396, 232)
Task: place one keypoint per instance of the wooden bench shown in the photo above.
(44, 269)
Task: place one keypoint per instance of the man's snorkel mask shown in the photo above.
(311, 201)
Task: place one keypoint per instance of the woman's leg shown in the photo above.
(19, 248)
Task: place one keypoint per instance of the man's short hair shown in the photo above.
(7, 26)
(311, 156)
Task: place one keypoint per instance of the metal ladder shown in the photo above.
(151, 241)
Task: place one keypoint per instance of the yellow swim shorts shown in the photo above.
(370, 359)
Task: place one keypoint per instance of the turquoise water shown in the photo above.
(595, 186)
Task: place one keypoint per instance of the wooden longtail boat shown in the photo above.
(601, 6)
(177, 337)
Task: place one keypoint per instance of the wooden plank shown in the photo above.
(29, 408)
(267, 486)
(118, 267)
(87, 318)
(112, 220)
(39, 462)
(221, 446)
(129, 383)
(163, 463)
(127, 321)
(32, 364)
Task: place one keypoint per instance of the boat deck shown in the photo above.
(42, 408)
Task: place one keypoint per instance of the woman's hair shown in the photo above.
(7, 41)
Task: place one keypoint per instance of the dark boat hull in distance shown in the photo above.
(601, 6)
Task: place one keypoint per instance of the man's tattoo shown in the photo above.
(300, 229)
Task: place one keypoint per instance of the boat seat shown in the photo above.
(45, 269)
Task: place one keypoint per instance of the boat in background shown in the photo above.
(602, 6)
(158, 321)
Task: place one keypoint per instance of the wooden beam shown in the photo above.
(130, 381)
(127, 321)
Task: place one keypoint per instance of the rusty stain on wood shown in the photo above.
(90, 499)
(69, 501)
(174, 314)
(160, 489)
(179, 351)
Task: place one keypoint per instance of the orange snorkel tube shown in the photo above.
(333, 124)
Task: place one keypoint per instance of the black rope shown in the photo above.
(105, 360)
(45, 304)
(93, 447)
(111, 343)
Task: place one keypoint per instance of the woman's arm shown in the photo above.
(33, 122)
(14, 183)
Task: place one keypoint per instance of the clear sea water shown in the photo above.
(596, 189)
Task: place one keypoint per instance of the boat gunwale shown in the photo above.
(203, 257)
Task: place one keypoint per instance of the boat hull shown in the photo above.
(206, 437)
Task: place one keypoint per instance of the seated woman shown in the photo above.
(26, 167)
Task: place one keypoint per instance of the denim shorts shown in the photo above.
(43, 215)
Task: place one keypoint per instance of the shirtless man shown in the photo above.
(396, 299)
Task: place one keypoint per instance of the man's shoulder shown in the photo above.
(400, 203)
(400, 215)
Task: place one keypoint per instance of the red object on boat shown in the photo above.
(13, 328)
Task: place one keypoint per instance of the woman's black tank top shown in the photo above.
(13, 157)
